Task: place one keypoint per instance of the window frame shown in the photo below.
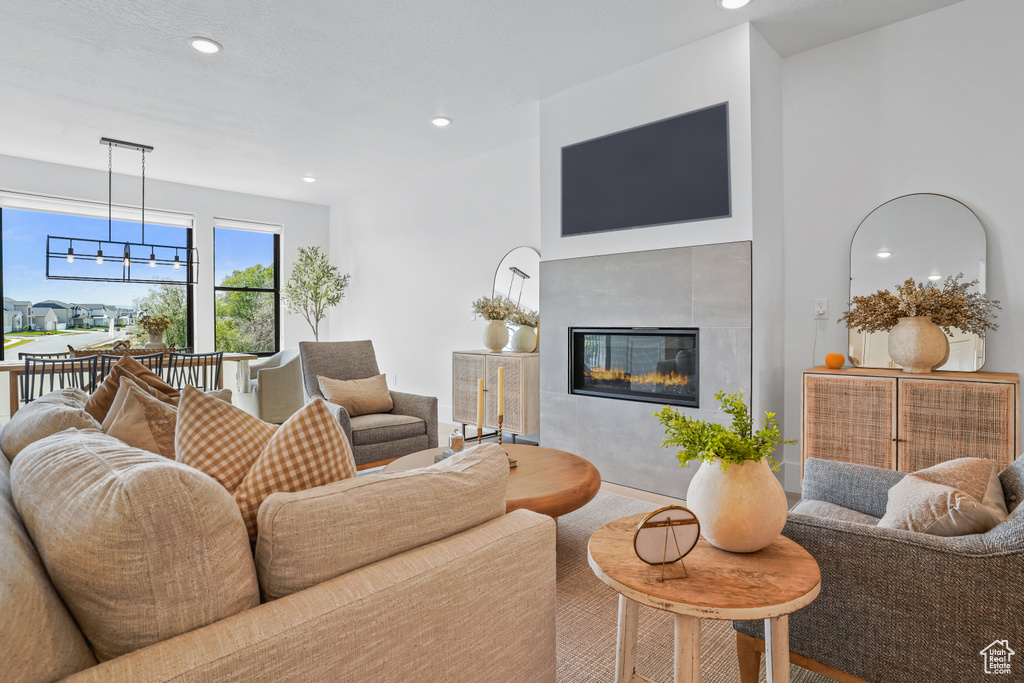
(250, 226)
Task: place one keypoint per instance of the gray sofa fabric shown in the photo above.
(410, 426)
(897, 605)
(819, 508)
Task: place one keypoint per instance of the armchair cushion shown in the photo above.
(358, 396)
(819, 508)
(382, 427)
(309, 537)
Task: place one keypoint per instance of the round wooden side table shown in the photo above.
(769, 584)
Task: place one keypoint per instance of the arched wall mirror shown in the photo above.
(517, 277)
(928, 237)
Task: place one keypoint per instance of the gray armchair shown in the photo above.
(411, 425)
(897, 605)
(274, 387)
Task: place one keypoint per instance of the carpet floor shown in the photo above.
(587, 613)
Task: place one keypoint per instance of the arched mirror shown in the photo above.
(928, 237)
(517, 277)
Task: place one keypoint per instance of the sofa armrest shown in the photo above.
(858, 487)
(280, 390)
(888, 592)
(423, 407)
(482, 601)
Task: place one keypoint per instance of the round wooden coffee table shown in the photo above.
(544, 480)
(769, 584)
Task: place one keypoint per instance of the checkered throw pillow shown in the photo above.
(253, 459)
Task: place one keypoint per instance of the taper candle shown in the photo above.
(501, 390)
(479, 409)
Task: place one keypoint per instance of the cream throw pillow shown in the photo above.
(142, 421)
(140, 548)
(358, 396)
(253, 459)
(48, 414)
(102, 400)
(309, 537)
(954, 498)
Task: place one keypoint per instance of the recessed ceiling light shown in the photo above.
(732, 4)
(884, 254)
(205, 45)
(309, 178)
(934, 277)
(440, 121)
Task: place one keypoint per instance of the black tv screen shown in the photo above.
(670, 171)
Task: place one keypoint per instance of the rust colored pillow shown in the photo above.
(149, 377)
(358, 396)
(102, 399)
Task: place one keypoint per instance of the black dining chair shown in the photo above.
(43, 375)
(199, 370)
(29, 354)
(153, 361)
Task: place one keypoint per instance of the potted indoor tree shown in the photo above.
(919, 316)
(314, 286)
(740, 504)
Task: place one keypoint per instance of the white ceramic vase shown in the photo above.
(495, 335)
(741, 510)
(156, 341)
(524, 340)
(918, 344)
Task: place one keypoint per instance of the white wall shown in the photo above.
(421, 250)
(931, 104)
(710, 71)
(303, 224)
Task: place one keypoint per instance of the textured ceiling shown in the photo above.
(340, 89)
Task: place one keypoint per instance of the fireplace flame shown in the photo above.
(671, 379)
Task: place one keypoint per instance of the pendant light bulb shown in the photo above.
(99, 257)
(127, 256)
(152, 260)
(177, 263)
(71, 255)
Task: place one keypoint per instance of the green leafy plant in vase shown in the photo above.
(741, 506)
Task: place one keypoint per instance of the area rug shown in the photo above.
(588, 612)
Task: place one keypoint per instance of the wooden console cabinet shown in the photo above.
(899, 421)
(522, 389)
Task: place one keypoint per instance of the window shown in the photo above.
(247, 308)
(44, 315)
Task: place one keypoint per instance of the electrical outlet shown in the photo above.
(821, 309)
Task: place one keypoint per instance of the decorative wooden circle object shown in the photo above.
(666, 535)
(121, 346)
(835, 360)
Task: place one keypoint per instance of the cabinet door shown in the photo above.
(940, 420)
(467, 368)
(850, 419)
(513, 421)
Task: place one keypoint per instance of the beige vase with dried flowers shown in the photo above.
(918, 344)
(495, 335)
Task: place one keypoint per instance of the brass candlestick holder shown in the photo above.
(501, 418)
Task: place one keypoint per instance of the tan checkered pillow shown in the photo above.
(253, 459)
(217, 438)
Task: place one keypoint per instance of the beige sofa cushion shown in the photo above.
(140, 548)
(142, 421)
(309, 537)
(358, 396)
(41, 642)
(954, 498)
(48, 414)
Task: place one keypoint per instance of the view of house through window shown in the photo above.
(47, 315)
(247, 306)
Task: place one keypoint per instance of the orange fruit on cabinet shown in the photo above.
(835, 360)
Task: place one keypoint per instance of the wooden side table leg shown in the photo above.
(625, 652)
(687, 649)
(776, 646)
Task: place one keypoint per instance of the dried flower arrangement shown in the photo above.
(953, 306)
(524, 317)
(494, 307)
(157, 324)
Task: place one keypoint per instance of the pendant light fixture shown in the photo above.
(159, 254)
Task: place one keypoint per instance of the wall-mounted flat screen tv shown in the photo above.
(669, 171)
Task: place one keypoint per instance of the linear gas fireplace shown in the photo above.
(657, 365)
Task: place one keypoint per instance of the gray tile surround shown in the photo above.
(706, 287)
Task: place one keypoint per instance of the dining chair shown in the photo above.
(153, 361)
(29, 354)
(199, 370)
(43, 375)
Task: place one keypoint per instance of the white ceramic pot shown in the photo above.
(156, 341)
(741, 510)
(495, 335)
(918, 344)
(524, 340)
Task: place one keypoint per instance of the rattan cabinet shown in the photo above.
(895, 420)
(522, 389)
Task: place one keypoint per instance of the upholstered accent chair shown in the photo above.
(274, 387)
(378, 438)
(897, 605)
